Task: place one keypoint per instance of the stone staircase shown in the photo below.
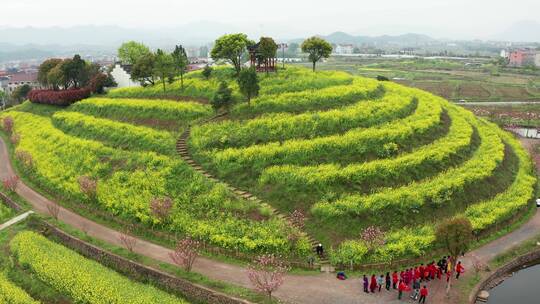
(183, 151)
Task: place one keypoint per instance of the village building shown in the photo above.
(524, 57)
(344, 49)
(19, 79)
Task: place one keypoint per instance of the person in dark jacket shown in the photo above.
(388, 281)
(366, 284)
(320, 250)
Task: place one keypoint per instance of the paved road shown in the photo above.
(313, 289)
(496, 103)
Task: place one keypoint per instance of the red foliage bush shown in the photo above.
(59, 98)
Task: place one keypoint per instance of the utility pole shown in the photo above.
(283, 46)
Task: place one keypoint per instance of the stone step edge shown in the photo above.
(183, 152)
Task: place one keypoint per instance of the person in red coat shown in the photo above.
(432, 270)
(421, 270)
(459, 269)
(439, 272)
(426, 272)
(410, 276)
(423, 295)
(417, 274)
(402, 287)
(394, 279)
(373, 284)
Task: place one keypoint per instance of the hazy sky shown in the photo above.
(285, 18)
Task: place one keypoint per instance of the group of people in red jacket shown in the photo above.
(413, 277)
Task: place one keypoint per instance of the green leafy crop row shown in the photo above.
(354, 144)
(402, 169)
(83, 280)
(434, 192)
(284, 126)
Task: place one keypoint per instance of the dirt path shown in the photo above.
(313, 289)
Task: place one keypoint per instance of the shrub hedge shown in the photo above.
(58, 98)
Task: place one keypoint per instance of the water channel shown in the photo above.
(522, 287)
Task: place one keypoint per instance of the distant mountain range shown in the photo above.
(410, 39)
(199, 33)
(37, 43)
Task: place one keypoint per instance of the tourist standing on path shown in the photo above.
(320, 250)
(401, 288)
(444, 263)
(459, 269)
(407, 277)
(423, 295)
(366, 284)
(394, 279)
(380, 281)
(388, 281)
(416, 289)
(373, 284)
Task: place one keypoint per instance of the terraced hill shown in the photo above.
(347, 152)
(355, 155)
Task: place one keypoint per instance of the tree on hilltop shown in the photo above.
(248, 82)
(316, 48)
(74, 71)
(267, 50)
(143, 69)
(181, 62)
(232, 48)
(130, 52)
(44, 70)
(163, 67)
(207, 72)
(222, 97)
(56, 78)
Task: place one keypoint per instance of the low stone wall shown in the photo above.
(189, 290)
(495, 277)
(9, 202)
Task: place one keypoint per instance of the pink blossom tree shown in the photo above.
(7, 124)
(88, 187)
(185, 253)
(127, 241)
(161, 208)
(15, 138)
(267, 273)
(11, 183)
(25, 158)
(54, 210)
(373, 237)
